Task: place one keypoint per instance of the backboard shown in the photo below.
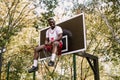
(75, 41)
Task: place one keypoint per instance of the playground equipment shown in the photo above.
(74, 40)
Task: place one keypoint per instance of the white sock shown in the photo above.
(35, 63)
(53, 57)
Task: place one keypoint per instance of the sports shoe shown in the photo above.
(33, 69)
(51, 63)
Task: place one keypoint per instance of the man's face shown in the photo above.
(51, 23)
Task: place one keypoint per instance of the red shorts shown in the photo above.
(49, 48)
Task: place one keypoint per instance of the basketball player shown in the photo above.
(53, 44)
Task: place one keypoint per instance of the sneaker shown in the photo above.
(33, 69)
(51, 63)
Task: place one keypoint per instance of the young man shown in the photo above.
(53, 43)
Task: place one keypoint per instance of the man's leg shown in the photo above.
(54, 52)
(36, 56)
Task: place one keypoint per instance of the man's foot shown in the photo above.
(33, 69)
(51, 63)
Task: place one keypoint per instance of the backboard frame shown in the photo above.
(84, 32)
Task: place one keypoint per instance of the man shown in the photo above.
(53, 44)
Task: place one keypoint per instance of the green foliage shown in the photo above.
(49, 6)
(103, 32)
(6, 34)
(19, 65)
(100, 41)
(13, 18)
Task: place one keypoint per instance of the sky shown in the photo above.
(64, 6)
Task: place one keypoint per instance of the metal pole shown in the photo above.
(8, 68)
(2, 50)
(34, 75)
(74, 66)
(96, 65)
(0, 64)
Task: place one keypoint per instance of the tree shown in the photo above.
(48, 6)
(21, 15)
(14, 14)
(102, 22)
(20, 54)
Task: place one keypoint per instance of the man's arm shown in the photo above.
(59, 37)
(59, 32)
(46, 41)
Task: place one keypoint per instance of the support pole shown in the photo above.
(74, 66)
(34, 73)
(2, 50)
(0, 65)
(93, 62)
(8, 68)
(96, 66)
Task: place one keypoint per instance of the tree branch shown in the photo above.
(117, 39)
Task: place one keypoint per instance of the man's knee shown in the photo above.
(56, 43)
(38, 48)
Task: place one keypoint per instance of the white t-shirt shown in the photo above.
(52, 34)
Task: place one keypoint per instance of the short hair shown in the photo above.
(50, 19)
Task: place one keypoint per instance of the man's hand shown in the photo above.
(50, 42)
(46, 41)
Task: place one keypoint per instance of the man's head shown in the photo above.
(51, 22)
